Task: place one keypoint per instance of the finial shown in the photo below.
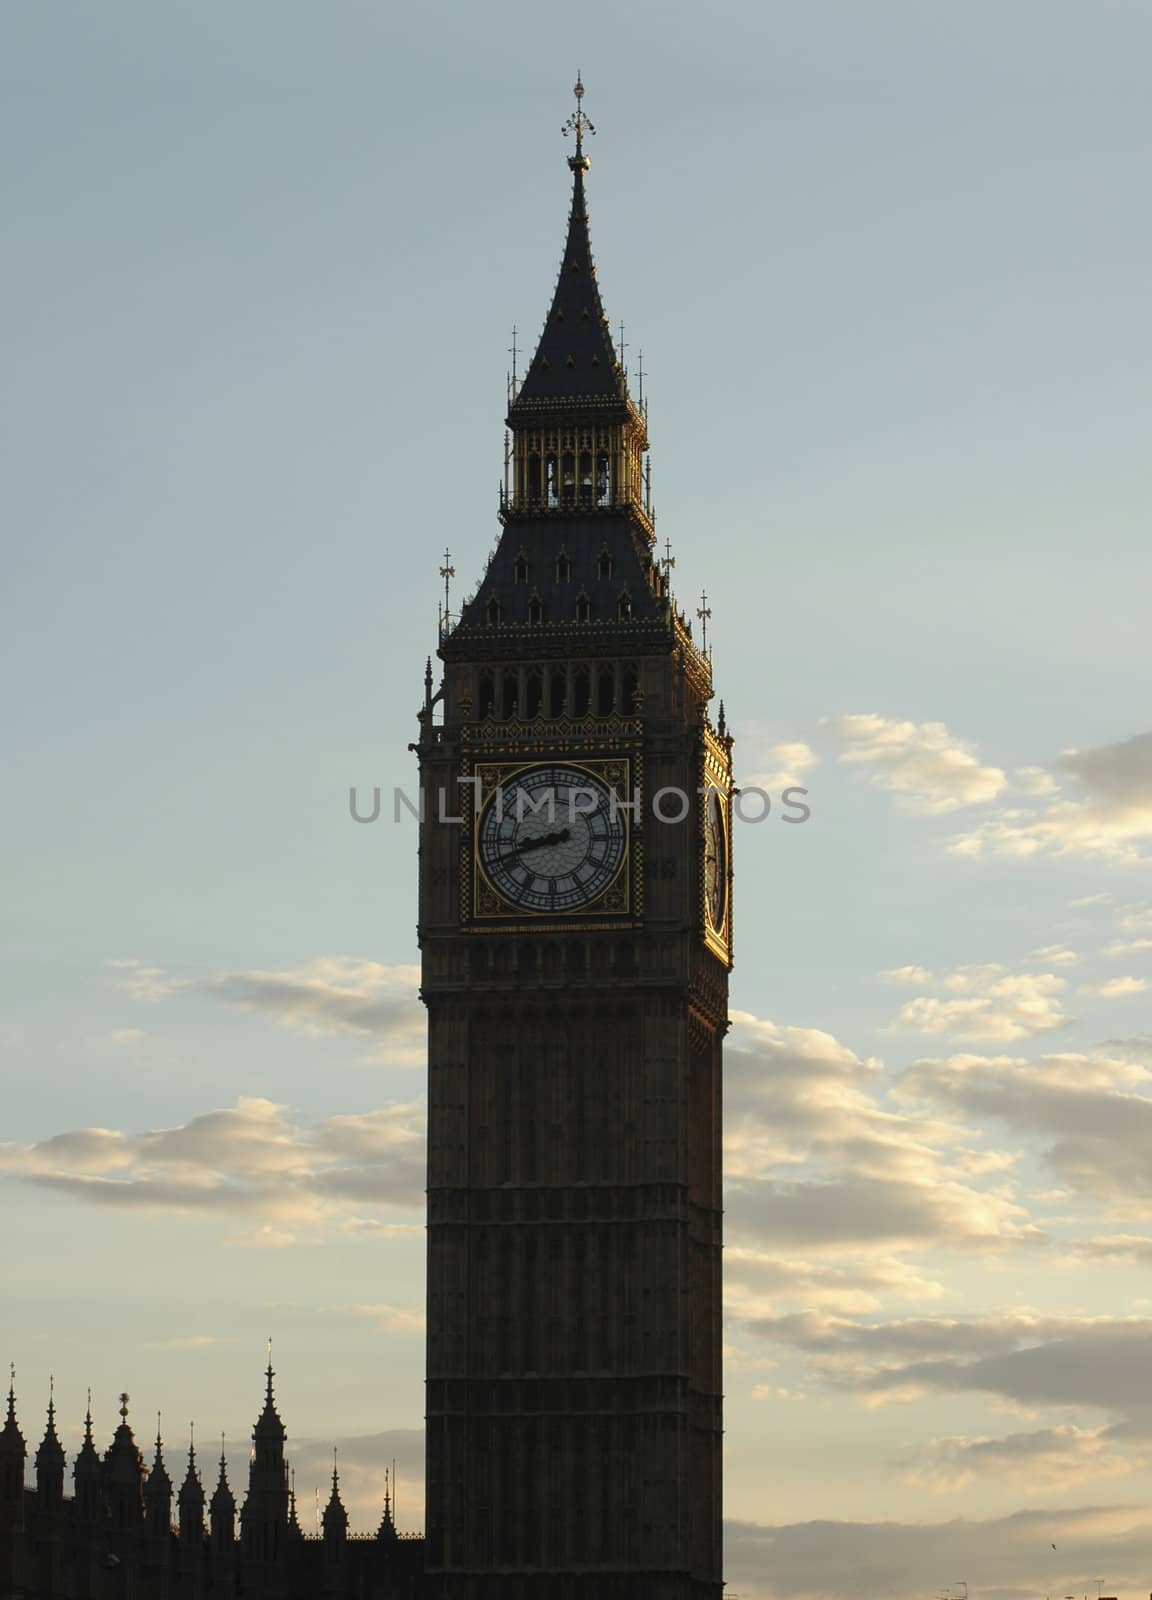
(158, 1432)
(578, 124)
(721, 724)
(704, 613)
(387, 1495)
(88, 1420)
(191, 1444)
(11, 1391)
(124, 1406)
(447, 572)
(269, 1375)
(222, 1462)
(335, 1474)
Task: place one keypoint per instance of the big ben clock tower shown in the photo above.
(575, 929)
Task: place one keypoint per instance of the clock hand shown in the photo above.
(559, 837)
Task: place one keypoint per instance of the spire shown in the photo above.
(50, 1459)
(268, 1424)
(86, 1473)
(191, 1496)
(13, 1452)
(222, 1507)
(124, 1474)
(387, 1528)
(335, 1516)
(293, 1520)
(575, 359)
(158, 1490)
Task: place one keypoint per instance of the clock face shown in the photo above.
(715, 861)
(549, 839)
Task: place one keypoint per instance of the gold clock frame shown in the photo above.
(485, 909)
(716, 774)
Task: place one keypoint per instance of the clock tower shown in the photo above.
(575, 931)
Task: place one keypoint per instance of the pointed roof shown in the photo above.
(335, 1516)
(51, 1451)
(11, 1439)
(575, 359)
(123, 1460)
(387, 1528)
(268, 1424)
(222, 1497)
(191, 1490)
(159, 1483)
(87, 1461)
(293, 1520)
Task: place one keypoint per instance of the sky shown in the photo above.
(887, 263)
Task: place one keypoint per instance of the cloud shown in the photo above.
(1103, 807)
(1091, 1112)
(251, 1159)
(1116, 988)
(326, 997)
(928, 768)
(983, 1002)
(818, 1159)
(1044, 1458)
(1003, 1558)
(1128, 947)
(781, 766)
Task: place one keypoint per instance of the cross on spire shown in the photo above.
(704, 613)
(124, 1398)
(579, 124)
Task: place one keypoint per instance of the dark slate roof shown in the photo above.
(575, 359)
(583, 539)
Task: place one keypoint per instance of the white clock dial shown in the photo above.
(550, 838)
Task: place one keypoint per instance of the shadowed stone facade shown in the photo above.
(574, 1210)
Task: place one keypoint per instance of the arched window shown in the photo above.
(492, 612)
(583, 608)
(586, 477)
(511, 706)
(533, 476)
(631, 684)
(535, 610)
(552, 481)
(583, 693)
(487, 694)
(520, 568)
(605, 564)
(558, 692)
(624, 606)
(563, 568)
(568, 478)
(606, 691)
(535, 693)
(603, 480)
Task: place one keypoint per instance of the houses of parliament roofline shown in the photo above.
(124, 1531)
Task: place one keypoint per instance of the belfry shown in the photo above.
(576, 934)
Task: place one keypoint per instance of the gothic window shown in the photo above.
(552, 480)
(606, 691)
(604, 565)
(563, 568)
(603, 484)
(534, 476)
(631, 684)
(586, 477)
(535, 693)
(558, 693)
(492, 612)
(583, 608)
(568, 478)
(535, 610)
(520, 569)
(511, 706)
(487, 694)
(624, 606)
(583, 692)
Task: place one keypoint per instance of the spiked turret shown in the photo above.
(50, 1463)
(190, 1500)
(335, 1516)
(13, 1454)
(158, 1491)
(124, 1474)
(222, 1509)
(86, 1474)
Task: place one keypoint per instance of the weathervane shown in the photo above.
(578, 124)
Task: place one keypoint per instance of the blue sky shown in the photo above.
(888, 266)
